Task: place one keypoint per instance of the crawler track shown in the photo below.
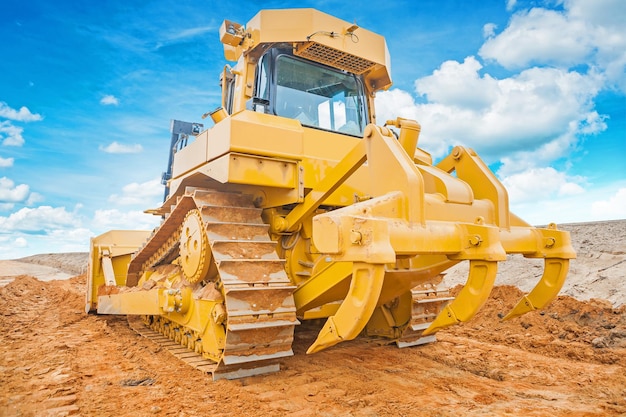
(259, 311)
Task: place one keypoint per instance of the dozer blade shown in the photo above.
(546, 289)
(471, 298)
(356, 309)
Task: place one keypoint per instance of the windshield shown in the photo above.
(318, 96)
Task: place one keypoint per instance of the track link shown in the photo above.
(426, 305)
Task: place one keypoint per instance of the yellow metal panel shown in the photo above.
(309, 25)
(120, 244)
(326, 148)
(246, 132)
(453, 189)
(436, 208)
(107, 269)
(238, 168)
(471, 169)
(136, 302)
(321, 312)
(321, 152)
(262, 134)
(538, 243)
(330, 284)
(194, 154)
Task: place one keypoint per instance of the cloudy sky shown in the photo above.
(87, 91)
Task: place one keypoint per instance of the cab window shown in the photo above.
(318, 96)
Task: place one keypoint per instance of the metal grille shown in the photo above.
(334, 58)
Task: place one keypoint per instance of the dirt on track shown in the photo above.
(568, 360)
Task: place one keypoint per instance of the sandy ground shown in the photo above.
(568, 360)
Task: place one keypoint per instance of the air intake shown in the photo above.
(334, 58)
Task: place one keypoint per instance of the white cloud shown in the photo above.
(12, 247)
(104, 220)
(586, 32)
(521, 160)
(39, 220)
(11, 135)
(6, 162)
(34, 198)
(609, 13)
(57, 240)
(191, 32)
(146, 194)
(109, 100)
(499, 116)
(43, 229)
(460, 85)
(47, 229)
(184, 35)
(70, 240)
(539, 36)
(10, 193)
(115, 147)
(613, 208)
(597, 202)
(395, 103)
(399, 103)
(510, 4)
(489, 30)
(539, 184)
(21, 115)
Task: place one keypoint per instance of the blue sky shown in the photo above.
(87, 91)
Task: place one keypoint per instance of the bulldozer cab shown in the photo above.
(317, 95)
(288, 67)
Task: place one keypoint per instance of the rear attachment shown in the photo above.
(546, 289)
(472, 297)
(356, 309)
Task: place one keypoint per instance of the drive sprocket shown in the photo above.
(195, 252)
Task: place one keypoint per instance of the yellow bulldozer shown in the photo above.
(295, 205)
